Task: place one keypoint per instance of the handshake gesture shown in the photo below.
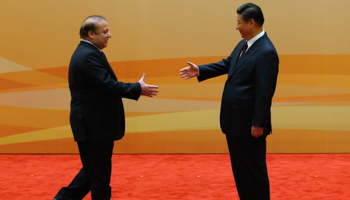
(190, 71)
(152, 90)
(147, 90)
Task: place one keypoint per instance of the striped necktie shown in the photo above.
(244, 49)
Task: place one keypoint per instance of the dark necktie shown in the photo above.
(244, 49)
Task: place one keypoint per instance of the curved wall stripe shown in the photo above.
(8, 66)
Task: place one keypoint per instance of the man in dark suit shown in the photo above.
(245, 116)
(97, 113)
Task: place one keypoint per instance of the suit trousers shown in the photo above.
(248, 160)
(94, 176)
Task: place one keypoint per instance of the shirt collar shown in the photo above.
(87, 41)
(254, 39)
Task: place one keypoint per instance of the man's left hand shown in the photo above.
(257, 131)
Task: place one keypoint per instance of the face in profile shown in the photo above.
(243, 27)
(102, 35)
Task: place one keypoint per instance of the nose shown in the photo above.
(109, 35)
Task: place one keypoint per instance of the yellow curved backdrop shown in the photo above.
(311, 107)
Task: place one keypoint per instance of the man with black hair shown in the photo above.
(245, 115)
(97, 113)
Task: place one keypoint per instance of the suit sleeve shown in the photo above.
(265, 84)
(103, 79)
(214, 69)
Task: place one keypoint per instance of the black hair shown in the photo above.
(251, 11)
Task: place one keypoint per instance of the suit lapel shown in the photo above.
(103, 57)
(108, 65)
(238, 53)
(235, 56)
(251, 51)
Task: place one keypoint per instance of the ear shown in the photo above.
(251, 22)
(91, 34)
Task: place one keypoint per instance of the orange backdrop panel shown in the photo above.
(311, 107)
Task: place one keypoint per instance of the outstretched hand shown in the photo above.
(190, 71)
(147, 90)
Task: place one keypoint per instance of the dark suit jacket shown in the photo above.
(249, 88)
(97, 112)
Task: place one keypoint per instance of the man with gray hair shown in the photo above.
(97, 114)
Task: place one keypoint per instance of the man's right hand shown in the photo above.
(190, 71)
(147, 90)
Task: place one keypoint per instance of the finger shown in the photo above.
(150, 90)
(153, 86)
(189, 63)
(184, 76)
(154, 91)
(184, 69)
(184, 73)
(152, 94)
(258, 134)
(143, 77)
(254, 133)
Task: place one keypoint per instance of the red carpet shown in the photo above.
(180, 177)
